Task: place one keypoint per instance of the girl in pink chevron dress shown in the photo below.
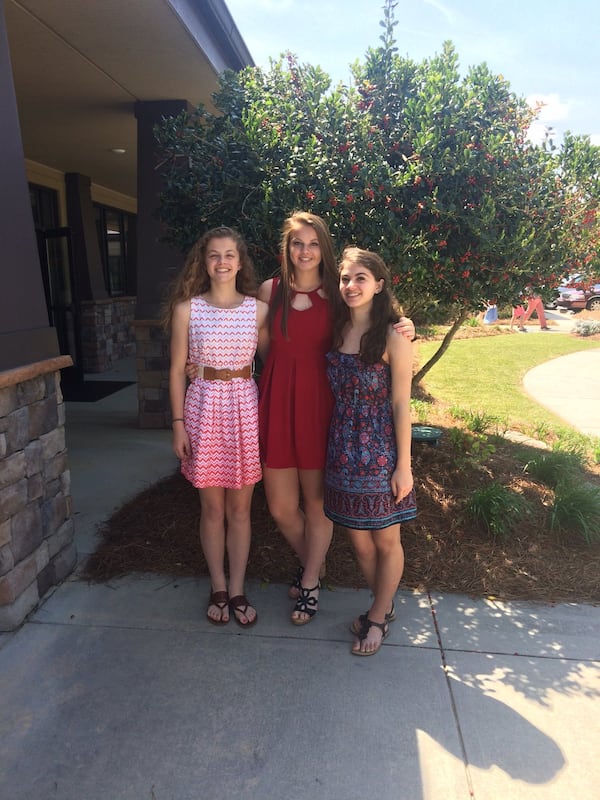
(217, 323)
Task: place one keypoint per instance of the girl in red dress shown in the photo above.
(295, 401)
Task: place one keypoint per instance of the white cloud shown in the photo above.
(553, 108)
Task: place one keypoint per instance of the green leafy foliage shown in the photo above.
(478, 421)
(430, 169)
(555, 467)
(576, 509)
(497, 508)
(472, 448)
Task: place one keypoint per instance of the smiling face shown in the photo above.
(358, 285)
(222, 259)
(304, 249)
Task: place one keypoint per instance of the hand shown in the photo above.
(406, 327)
(402, 483)
(191, 370)
(181, 442)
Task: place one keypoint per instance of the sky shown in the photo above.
(548, 50)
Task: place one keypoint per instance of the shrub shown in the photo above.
(576, 509)
(554, 467)
(478, 421)
(497, 508)
(572, 442)
(421, 409)
(586, 327)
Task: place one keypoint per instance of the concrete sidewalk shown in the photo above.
(123, 691)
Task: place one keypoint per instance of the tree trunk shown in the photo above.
(418, 377)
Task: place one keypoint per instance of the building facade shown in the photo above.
(82, 264)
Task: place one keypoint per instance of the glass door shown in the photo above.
(59, 286)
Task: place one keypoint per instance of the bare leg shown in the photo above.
(212, 539)
(317, 532)
(388, 571)
(237, 510)
(282, 489)
(365, 551)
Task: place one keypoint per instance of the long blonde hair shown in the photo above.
(194, 279)
(327, 268)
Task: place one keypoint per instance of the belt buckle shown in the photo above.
(226, 374)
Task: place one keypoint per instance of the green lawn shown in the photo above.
(485, 374)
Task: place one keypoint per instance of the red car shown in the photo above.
(584, 295)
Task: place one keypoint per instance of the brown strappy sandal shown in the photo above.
(241, 604)
(221, 601)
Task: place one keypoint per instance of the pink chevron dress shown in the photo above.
(221, 416)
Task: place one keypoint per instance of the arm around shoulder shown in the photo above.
(262, 324)
(264, 290)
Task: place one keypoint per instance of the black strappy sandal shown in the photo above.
(355, 625)
(306, 604)
(296, 585)
(364, 632)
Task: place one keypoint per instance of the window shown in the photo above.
(44, 207)
(114, 230)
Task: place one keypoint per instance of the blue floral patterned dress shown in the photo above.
(361, 453)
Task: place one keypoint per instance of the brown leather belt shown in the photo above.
(212, 374)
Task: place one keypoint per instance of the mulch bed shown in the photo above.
(445, 551)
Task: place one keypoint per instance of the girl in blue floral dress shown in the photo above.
(368, 476)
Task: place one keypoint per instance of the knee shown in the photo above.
(212, 513)
(387, 545)
(363, 546)
(283, 511)
(238, 515)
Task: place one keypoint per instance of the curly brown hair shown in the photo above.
(194, 279)
(327, 269)
(385, 310)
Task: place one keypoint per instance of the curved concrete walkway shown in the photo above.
(569, 386)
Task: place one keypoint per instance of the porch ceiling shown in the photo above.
(80, 66)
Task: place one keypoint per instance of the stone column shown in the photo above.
(36, 526)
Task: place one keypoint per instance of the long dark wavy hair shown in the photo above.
(194, 279)
(327, 268)
(385, 310)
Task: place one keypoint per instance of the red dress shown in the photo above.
(295, 400)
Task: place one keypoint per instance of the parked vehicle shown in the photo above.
(572, 281)
(586, 295)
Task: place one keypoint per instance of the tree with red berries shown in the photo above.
(430, 169)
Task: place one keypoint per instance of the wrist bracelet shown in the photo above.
(178, 419)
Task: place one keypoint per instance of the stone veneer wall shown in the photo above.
(152, 362)
(36, 526)
(107, 332)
